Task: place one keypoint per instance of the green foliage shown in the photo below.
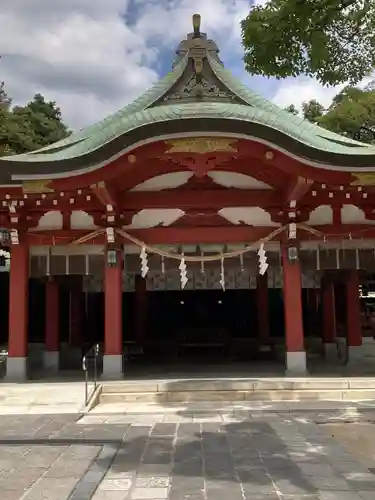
(5, 104)
(292, 109)
(330, 40)
(351, 109)
(30, 127)
(312, 111)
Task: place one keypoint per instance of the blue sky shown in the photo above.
(94, 56)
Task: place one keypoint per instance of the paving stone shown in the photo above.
(366, 495)
(83, 490)
(360, 480)
(20, 479)
(79, 452)
(188, 484)
(188, 430)
(330, 483)
(176, 495)
(110, 495)
(116, 484)
(149, 494)
(294, 486)
(13, 494)
(68, 468)
(321, 470)
(338, 495)
(50, 489)
(164, 429)
(155, 469)
(152, 482)
(224, 493)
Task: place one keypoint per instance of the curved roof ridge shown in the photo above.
(149, 97)
(218, 110)
(254, 99)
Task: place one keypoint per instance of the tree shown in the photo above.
(312, 111)
(292, 109)
(351, 110)
(330, 40)
(33, 126)
(5, 103)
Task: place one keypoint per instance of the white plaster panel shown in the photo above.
(321, 215)
(81, 220)
(165, 181)
(350, 214)
(51, 220)
(235, 180)
(252, 216)
(155, 217)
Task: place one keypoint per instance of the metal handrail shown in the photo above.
(92, 353)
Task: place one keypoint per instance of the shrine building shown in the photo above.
(200, 221)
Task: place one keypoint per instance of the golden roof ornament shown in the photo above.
(197, 25)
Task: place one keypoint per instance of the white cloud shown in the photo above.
(300, 90)
(77, 52)
(85, 56)
(94, 56)
(296, 91)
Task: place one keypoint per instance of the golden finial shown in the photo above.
(197, 25)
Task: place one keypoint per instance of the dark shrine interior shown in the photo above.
(191, 323)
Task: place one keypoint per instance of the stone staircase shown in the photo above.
(236, 390)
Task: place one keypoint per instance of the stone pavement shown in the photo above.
(207, 456)
(38, 397)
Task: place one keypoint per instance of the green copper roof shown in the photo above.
(232, 104)
(292, 126)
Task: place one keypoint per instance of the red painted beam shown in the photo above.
(297, 189)
(105, 194)
(217, 234)
(62, 237)
(291, 165)
(340, 231)
(224, 234)
(250, 152)
(337, 198)
(160, 166)
(147, 170)
(214, 199)
(237, 234)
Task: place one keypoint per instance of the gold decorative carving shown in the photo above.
(202, 145)
(363, 179)
(36, 187)
(198, 65)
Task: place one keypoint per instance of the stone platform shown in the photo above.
(238, 389)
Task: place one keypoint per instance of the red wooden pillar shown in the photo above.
(52, 333)
(294, 336)
(263, 309)
(329, 319)
(113, 359)
(18, 312)
(353, 317)
(140, 309)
